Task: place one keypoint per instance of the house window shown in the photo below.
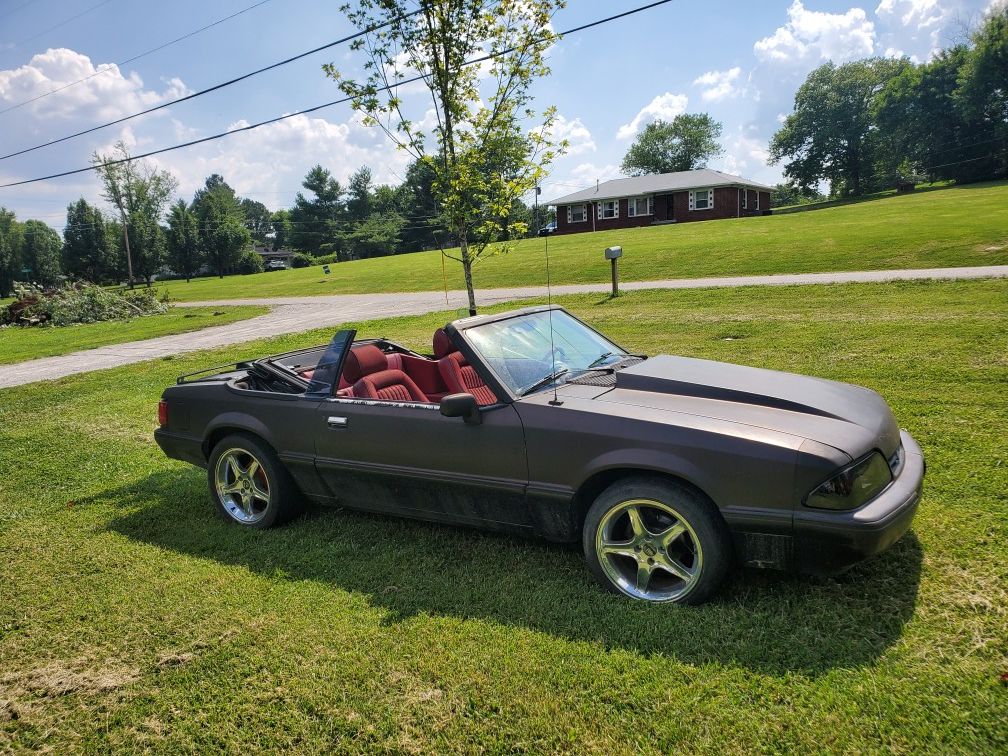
(757, 200)
(640, 206)
(608, 209)
(701, 199)
(745, 198)
(576, 214)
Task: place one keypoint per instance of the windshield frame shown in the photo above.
(459, 329)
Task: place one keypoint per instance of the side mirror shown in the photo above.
(462, 405)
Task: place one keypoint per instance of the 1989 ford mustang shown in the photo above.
(667, 469)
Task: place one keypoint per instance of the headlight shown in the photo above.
(852, 486)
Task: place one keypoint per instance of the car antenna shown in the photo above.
(549, 300)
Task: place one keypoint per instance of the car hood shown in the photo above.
(851, 418)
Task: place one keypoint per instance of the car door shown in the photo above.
(407, 458)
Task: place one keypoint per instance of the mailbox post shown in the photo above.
(613, 254)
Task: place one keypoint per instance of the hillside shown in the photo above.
(943, 228)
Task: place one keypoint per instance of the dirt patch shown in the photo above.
(57, 679)
(175, 659)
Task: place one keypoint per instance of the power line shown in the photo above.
(136, 57)
(16, 8)
(202, 92)
(315, 108)
(62, 23)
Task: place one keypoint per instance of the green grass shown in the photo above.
(18, 344)
(131, 618)
(950, 227)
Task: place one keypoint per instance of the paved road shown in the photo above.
(295, 314)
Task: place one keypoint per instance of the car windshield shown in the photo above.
(522, 353)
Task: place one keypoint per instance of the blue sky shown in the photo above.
(739, 61)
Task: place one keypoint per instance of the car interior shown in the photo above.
(382, 371)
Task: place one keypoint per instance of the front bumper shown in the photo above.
(830, 542)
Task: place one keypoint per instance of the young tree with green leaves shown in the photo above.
(140, 192)
(831, 134)
(89, 253)
(185, 255)
(485, 157)
(685, 143)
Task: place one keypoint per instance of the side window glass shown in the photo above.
(326, 375)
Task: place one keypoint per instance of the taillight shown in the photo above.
(162, 413)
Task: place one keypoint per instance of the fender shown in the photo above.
(238, 421)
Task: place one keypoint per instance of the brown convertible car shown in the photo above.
(667, 469)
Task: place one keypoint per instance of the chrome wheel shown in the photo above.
(648, 550)
(242, 485)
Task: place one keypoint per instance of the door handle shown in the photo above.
(337, 422)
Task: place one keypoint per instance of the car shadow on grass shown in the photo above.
(763, 621)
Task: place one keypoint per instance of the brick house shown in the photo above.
(660, 198)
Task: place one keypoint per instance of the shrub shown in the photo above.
(79, 303)
(250, 262)
(327, 259)
(301, 260)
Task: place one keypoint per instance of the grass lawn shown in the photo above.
(941, 228)
(131, 618)
(18, 344)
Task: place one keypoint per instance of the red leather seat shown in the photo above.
(368, 370)
(459, 376)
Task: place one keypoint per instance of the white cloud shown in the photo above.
(106, 95)
(586, 174)
(664, 107)
(578, 136)
(918, 13)
(719, 84)
(818, 36)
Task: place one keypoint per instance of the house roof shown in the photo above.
(657, 182)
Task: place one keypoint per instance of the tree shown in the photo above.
(425, 228)
(140, 193)
(40, 252)
(282, 229)
(222, 231)
(377, 235)
(185, 254)
(788, 193)
(359, 195)
(258, 219)
(316, 221)
(89, 252)
(686, 143)
(983, 92)
(831, 134)
(478, 127)
(11, 241)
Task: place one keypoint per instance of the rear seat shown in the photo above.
(370, 374)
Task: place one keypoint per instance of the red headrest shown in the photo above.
(442, 344)
(364, 360)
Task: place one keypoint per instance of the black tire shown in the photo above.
(284, 501)
(702, 551)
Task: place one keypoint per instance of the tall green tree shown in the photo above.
(359, 195)
(40, 252)
(258, 219)
(140, 193)
(282, 229)
(185, 255)
(11, 240)
(89, 253)
(831, 134)
(222, 231)
(983, 92)
(317, 218)
(476, 126)
(425, 227)
(685, 143)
